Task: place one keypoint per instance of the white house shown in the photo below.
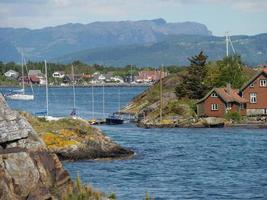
(58, 74)
(11, 74)
(117, 79)
(98, 78)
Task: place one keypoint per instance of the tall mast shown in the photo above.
(73, 88)
(227, 43)
(131, 73)
(161, 100)
(93, 102)
(119, 98)
(22, 72)
(103, 100)
(46, 88)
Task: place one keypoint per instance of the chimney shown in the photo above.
(228, 88)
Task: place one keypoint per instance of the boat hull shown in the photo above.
(24, 97)
(114, 121)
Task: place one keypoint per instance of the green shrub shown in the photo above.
(112, 196)
(235, 116)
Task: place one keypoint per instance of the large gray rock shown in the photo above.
(15, 129)
(27, 170)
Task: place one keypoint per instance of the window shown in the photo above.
(253, 98)
(263, 83)
(214, 107)
(251, 85)
(214, 94)
(242, 106)
(229, 106)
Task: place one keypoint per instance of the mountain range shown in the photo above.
(174, 50)
(146, 42)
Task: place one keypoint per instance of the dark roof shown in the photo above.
(225, 96)
(263, 71)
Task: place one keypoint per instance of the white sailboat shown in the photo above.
(20, 95)
(45, 114)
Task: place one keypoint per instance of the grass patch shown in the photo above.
(83, 192)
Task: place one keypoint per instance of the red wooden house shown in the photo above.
(219, 101)
(255, 91)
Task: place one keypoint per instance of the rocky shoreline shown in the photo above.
(76, 139)
(210, 123)
(31, 169)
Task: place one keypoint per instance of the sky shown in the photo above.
(246, 17)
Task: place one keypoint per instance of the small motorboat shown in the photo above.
(114, 120)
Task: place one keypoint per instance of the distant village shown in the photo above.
(60, 78)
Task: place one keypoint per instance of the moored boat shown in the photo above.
(114, 120)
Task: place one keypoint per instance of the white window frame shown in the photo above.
(253, 97)
(263, 83)
(214, 94)
(214, 107)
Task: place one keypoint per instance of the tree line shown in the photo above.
(201, 75)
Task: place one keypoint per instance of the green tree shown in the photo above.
(231, 71)
(193, 85)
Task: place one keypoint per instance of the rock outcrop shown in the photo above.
(27, 169)
(75, 139)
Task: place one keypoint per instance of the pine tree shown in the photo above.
(193, 83)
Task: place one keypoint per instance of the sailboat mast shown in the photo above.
(227, 43)
(103, 100)
(119, 99)
(93, 102)
(73, 88)
(161, 100)
(46, 88)
(131, 74)
(22, 72)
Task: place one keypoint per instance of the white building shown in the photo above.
(58, 74)
(117, 79)
(11, 74)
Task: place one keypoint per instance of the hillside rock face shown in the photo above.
(27, 170)
(53, 42)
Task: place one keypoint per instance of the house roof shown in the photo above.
(263, 71)
(60, 72)
(34, 72)
(34, 79)
(225, 96)
(11, 71)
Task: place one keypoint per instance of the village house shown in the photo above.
(255, 91)
(147, 76)
(250, 100)
(58, 74)
(37, 77)
(11, 74)
(220, 101)
(129, 78)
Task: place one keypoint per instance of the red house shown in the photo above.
(219, 101)
(255, 91)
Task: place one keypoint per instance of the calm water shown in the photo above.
(172, 163)
(61, 100)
